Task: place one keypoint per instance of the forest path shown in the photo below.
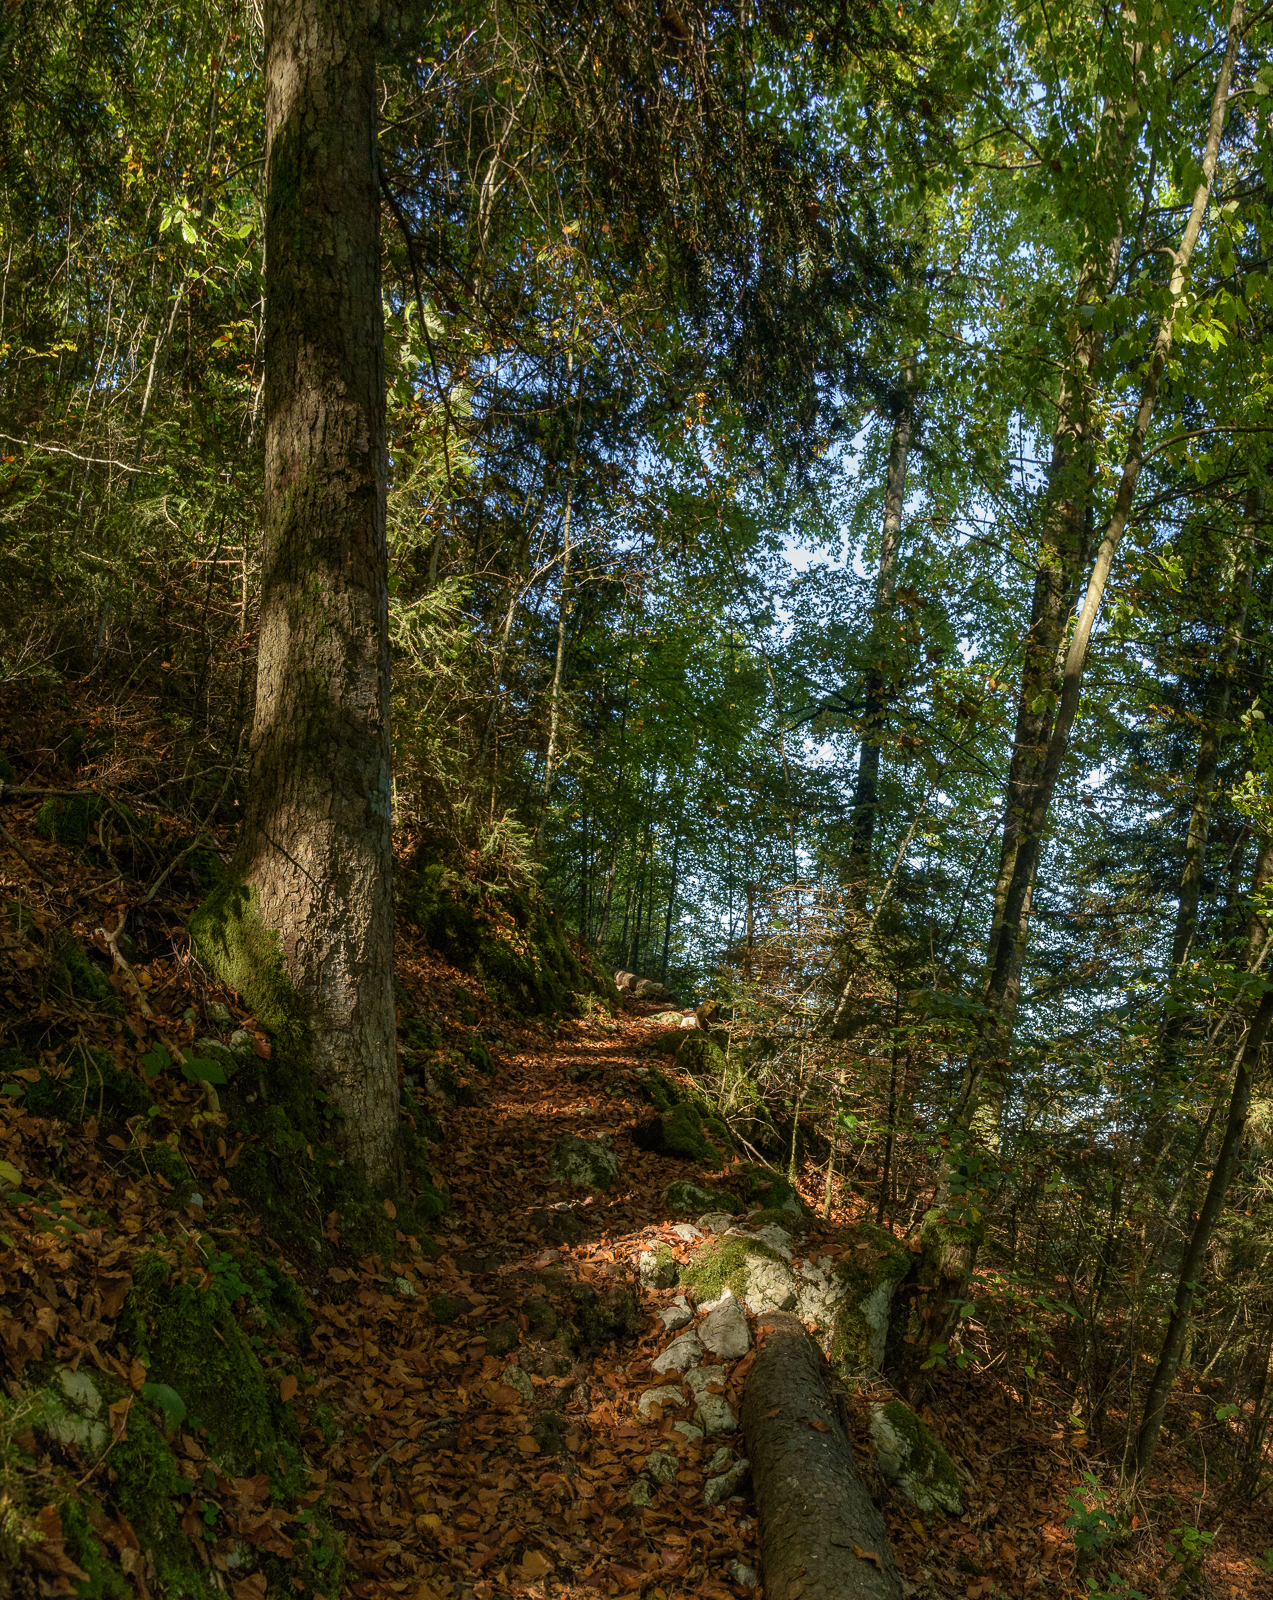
(481, 1454)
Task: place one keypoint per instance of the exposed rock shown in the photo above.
(686, 1199)
(624, 980)
(718, 1490)
(649, 989)
(74, 1417)
(713, 1414)
(720, 1461)
(689, 1022)
(776, 1238)
(641, 1493)
(219, 1014)
(687, 1430)
(662, 1467)
(743, 1575)
(911, 1457)
(701, 1057)
(770, 1285)
(405, 1286)
(677, 1315)
(241, 1044)
(582, 1163)
(666, 1395)
(515, 1378)
(558, 1224)
(680, 1355)
(715, 1221)
(667, 1019)
(686, 1232)
(656, 1268)
(724, 1332)
(866, 1279)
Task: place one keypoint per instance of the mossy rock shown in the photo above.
(421, 1033)
(583, 1164)
(685, 1199)
(668, 1043)
(531, 967)
(700, 1055)
(89, 1085)
(696, 1136)
(448, 1308)
(765, 1189)
(600, 1321)
(724, 1262)
(475, 1051)
(911, 1456)
(501, 1337)
(68, 819)
(76, 975)
(292, 1170)
(868, 1275)
(144, 1483)
(189, 1340)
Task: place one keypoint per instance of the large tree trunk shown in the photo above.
(821, 1536)
(316, 846)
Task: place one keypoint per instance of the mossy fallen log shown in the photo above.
(821, 1536)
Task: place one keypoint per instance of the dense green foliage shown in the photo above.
(659, 286)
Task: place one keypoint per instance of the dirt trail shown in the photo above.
(455, 1481)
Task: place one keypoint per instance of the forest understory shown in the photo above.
(457, 1412)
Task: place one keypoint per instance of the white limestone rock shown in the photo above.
(724, 1332)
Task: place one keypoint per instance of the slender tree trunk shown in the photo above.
(1173, 1345)
(563, 613)
(316, 850)
(1043, 736)
(875, 691)
(1204, 783)
(671, 900)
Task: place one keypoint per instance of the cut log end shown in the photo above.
(821, 1535)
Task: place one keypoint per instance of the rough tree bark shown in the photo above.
(821, 1536)
(315, 848)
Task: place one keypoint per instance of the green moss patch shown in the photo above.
(76, 976)
(88, 1084)
(515, 947)
(695, 1136)
(700, 1055)
(911, 1456)
(722, 1264)
(292, 1170)
(869, 1274)
(189, 1340)
(233, 940)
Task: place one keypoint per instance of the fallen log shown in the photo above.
(821, 1535)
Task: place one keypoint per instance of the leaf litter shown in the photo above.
(462, 1444)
